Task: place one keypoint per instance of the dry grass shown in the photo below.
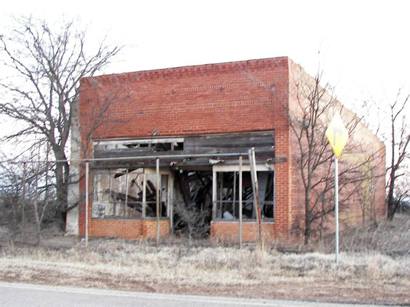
(373, 270)
(388, 237)
(206, 265)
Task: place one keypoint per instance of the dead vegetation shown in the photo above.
(374, 267)
(389, 238)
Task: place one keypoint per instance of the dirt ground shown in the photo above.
(322, 291)
(315, 290)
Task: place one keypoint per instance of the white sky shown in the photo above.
(364, 45)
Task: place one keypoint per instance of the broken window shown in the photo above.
(151, 195)
(192, 205)
(129, 193)
(227, 195)
(118, 193)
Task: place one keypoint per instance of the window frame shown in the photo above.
(245, 168)
(145, 172)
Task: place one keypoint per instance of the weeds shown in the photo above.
(370, 259)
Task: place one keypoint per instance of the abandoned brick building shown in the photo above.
(167, 139)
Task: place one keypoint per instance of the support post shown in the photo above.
(255, 189)
(87, 169)
(144, 194)
(126, 212)
(158, 200)
(214, 183)
(337, 209)
(274, 195)
(234, 195)
(171, 203)
(221, 189)
(240, 203)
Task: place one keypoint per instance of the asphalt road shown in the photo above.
(16, 294)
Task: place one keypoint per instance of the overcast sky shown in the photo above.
(362, 46)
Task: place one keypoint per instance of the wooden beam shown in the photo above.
(255, 189)
(228, 142)
(171, 202)
(262, 141)
(144, 195)
(266, 151)
(214, 179)
(221, 187)
(234, 194)
(126, 212)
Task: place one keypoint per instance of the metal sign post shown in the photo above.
(87, 170)
(337, 208)
(337, 135)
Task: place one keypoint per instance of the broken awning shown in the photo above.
(188, 151)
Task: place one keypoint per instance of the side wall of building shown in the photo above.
(362, 144)
(73, 197)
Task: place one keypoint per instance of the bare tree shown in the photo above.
(26, 192)
(10, 197)
(42, 191)
(403, 190)
(46, 65)
(367, 194)
(308, 120)
(398, 141)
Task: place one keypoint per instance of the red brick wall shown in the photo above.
(130, 229)
(215, 98)
(149, 228)
(229, 97)
(229, 231)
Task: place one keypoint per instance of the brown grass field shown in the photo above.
(374, 267)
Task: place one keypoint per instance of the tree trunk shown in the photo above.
(308, 220)
(35, 205)
(38, 221)
(23, 204)
(391, 204)
(308, 210)
(62, 179)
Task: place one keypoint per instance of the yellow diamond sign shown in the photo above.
(337, 135)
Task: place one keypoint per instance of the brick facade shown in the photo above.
(229, 231)
(215, 98)
(131, 229)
